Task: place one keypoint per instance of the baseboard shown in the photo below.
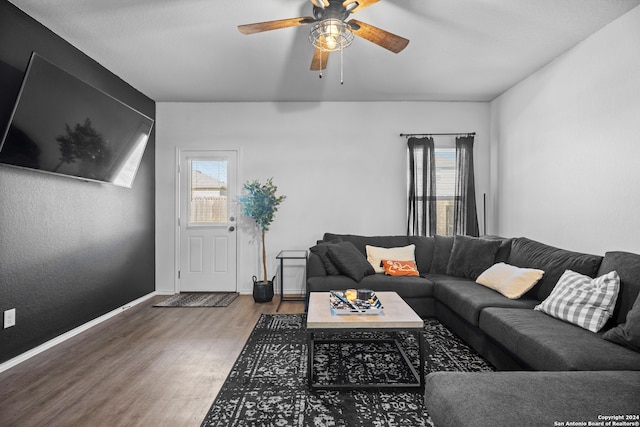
(72, 333)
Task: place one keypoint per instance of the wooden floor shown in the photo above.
(147, 366)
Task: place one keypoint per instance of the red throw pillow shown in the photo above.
(400, 268)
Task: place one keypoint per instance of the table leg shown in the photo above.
(310, 349)
(281, 284)
(421, 356)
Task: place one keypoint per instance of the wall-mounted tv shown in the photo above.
(64, 126)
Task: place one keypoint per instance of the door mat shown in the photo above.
(200, 299)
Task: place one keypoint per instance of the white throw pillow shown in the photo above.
(375, 255)
(510, 281)
(581, 300)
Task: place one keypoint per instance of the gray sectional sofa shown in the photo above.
(560, 357)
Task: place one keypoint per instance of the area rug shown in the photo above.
(267, 386)
(200, 299)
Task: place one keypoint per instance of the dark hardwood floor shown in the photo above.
(147, 366)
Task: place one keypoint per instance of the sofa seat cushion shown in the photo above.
(406, 286)
(330, 283)
(548, 344)
(533, 399)
(468, 299)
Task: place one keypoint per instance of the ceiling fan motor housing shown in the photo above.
(335, 10)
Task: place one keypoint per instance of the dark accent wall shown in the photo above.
(70, 251)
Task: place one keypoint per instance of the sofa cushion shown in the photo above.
(504, 250)
(322, 250)
(506, 399)
(470, 256)
(627, 265)
(331, 283)
(349, 260)
(315, 267)
(406, 287)
(399, 268)
(361, 242)
(628, 333)
(581, 300)
(376, 254)
(544, 343)
(441, 253)
(424, 251)
(468, 299)
(528, 253)
(510, 281)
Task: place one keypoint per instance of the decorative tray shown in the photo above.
(339, 304)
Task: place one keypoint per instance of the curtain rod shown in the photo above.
(437, 134)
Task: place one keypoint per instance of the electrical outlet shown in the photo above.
(9, 318)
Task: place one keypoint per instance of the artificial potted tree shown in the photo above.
(260, 202)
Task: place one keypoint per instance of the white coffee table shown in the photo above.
(397, 316)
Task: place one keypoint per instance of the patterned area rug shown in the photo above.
(268, 384)
(214, 299)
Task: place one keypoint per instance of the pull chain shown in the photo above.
(341, 68)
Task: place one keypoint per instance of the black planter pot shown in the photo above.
(262, 292)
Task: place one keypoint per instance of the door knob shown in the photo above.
(232, 219)
(232, 228)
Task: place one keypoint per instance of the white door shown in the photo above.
(207, 227)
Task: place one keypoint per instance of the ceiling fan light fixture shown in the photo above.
(330, 35)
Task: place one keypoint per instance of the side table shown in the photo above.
(291, 254)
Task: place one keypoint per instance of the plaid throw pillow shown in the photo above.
(581, 300)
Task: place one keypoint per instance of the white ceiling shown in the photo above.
(191, 50)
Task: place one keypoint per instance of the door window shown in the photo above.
(208, 190)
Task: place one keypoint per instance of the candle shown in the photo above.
(351, 294)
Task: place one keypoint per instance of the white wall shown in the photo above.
(342, 167)
(566, 142)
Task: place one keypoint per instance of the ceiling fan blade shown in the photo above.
(378, 36)
(259, 27)
(319, 61)
(361, 4)
(320, 3)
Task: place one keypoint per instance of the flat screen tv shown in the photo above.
(64, 126)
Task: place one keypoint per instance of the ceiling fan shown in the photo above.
(331, 31)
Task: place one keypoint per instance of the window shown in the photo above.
(208, 188)
(441, 188)
(445, 161)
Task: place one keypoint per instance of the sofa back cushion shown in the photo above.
(504, 250)
(322, 251)
(349, 261)
(471, 256)
(527, 253)
(628, 267)
(376, 254)
(423, 251)
(443, 245)
(361, 242)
